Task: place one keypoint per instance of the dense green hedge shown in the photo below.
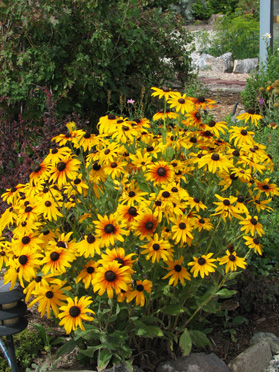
(81, 50)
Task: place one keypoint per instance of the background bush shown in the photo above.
(81, 50)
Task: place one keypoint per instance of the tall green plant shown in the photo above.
(81, 50)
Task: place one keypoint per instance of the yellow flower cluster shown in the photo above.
(118, 213)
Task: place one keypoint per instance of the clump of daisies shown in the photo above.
(133, 232)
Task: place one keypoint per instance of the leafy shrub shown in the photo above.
(119, 217)
(237, 33)
(258, 81)
(27, 346)
(81, 51)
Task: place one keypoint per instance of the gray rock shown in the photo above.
(254, 359)
(196, 362)
(270, 338)
(203, 61)
(121, 368)
(245, 66)
(215, 17)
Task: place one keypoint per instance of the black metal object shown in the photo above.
(12, 321)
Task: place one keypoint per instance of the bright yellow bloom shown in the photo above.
(177, 272)
(232, 261)
(202, 265)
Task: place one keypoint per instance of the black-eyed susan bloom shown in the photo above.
(119, 255)
(66, 169)
(87, 273)
(157, 249)
(88, 246)
(138, 292)
(252, 226)
(75, 312)
(250, 115)
(177, 272)
(111, 277)
(159, 173)
(109, 229)
(50, 297)
(241, 136)
(232, 261)
(214, 162)
(182, 103)
(202, 265)
(182, 230)
(57, 260)
(202, 102)
(165, 114)
(145, 224)
(254, 243)
(163, 92)
(225, 207)
(267, 187)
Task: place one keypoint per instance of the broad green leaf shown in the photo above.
(172, 310)
(226, 293)
(199, 339)
(89, 352)
(104, 356)
(66, 348)
(185, 343)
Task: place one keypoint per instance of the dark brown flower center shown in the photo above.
(197, 115)
(38, 279)
(2, 253)
(25, 240)
(61, 166)
(96, 167)
(182, 225)
(211, 123)
(149, 148)
(140, 287)
(23, 259)
(158, 203)
(265, 187)
(253, 221)
(87, 135)
(49, 294)
(110, 276)
(149, 225)
(90, 239)
(201, 99)
(47, 203)
(177, 268)
(109, 228)
(201, 220)
(132, 211)
(111, 117)
(61, 244)
(54, 256)
(161, 172)
(54, 151)
(77, 181)
(131, 194)
(113, 165)
(232, 257)
(119, 260)
(28, 209)
(90, 270)
(196, 200)
(181, 101)
(244, 132)
(74, 311)
(240, 199)
(236, 153)
(251, 111)
(193, 140)
(37, 169)
(166, 194)
(107, 151)
(156, 247)
(125, 128)
(215, 157)
(226, 202)
(256, 241)
(201, 261)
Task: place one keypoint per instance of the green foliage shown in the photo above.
(259, 81)
(82, 50)
(27, 346)
(237, 33)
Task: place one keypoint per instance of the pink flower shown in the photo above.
(131, 101)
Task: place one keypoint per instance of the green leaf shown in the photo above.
(172, 310)
(89, 352)
(66, 348)
(185, 343)
(239, 320)
(104, 356)
(226, 293)
(199, 339)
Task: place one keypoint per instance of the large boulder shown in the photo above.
(203, 61)
(254, 359)
(245, 66)
(195, 362)
(270, 338)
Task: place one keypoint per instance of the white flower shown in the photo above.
(267, 35)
